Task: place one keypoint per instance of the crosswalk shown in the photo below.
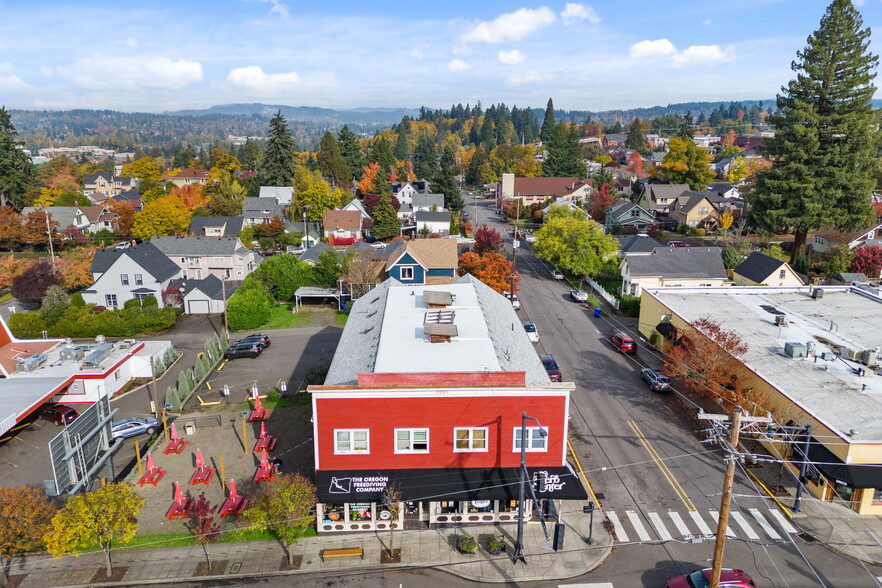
(751, 524)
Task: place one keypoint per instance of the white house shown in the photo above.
(208, 295)
(433, 222)
(134, 273)
(282, 194)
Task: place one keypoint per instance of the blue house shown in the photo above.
(625, 213)
(422, 261)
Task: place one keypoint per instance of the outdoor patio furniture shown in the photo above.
(153, 474)
(176, 445)
(259, 413)
(265, 471)
(203, 473)
(181, 507)
(234, 504)
(264, 442)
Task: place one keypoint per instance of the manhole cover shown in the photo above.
(234, 569)
(806, 537)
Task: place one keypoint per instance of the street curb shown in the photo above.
(123, 395)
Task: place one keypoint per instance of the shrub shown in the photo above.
(133, 303)
(30, 286)
(27, 325)
(496, 544)
(55, 302)
(467, 544)
(76, 299)
(249, 309)
(701, 232)
(149, 301)
(630, 305)
(731, 257)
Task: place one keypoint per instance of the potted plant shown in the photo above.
(467, 544)
(496, 544)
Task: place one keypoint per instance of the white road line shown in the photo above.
(742, 522)
(678, 522)
(638, 525)
(716, 517)
(659, 526)
(617, 526)
(785, 524)
(702, 526)
(769, 529)
(594, 585)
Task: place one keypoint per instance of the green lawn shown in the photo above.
(341, 316)
(281, 317)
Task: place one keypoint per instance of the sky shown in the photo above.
(161, 55)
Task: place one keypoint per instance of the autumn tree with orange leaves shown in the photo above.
(600, 201)
(635, 164)
(190, 195)
(75, 268)
(494, 269)
(125, 212)
(11, 228)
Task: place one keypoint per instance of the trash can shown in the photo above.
(597, 312)
(343, 307)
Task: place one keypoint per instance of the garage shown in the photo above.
(198, 306)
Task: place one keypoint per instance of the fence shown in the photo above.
(603, 293)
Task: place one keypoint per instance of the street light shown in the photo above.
(589, 510)
(522, 480)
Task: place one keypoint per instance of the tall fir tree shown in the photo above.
(401, 150)
(548, 123)
(825, 140)
(445, 182)
(425, 158)
(277, 165)
(687, 127)
(565, 156)
(386, 223)
(636, 140)
(17, 173)
(381, 153)
(330, 161)
(350, 151)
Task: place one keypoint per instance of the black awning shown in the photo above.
(833, 468)
(447, 484)
(667, 330)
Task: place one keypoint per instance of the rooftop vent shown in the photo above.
(100, 353)
(438, 299)
(439, 317)
(440, 333)
(780, 320)
(30, 363)
(817, 293)
(792, 349)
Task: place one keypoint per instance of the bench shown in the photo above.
(202, 475)
(175, 446)
(258, 414)
(264, 474)
(234, 506)
(180, 509)
(265, 444)
(348, 552)
(151, 477)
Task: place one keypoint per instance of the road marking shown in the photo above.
(26, 443)
(678, 522)
(638, 525)
(716, 517)
(702, 526)
(18, 428)
(672, 480)
(581, 471)
(617, 526)
(769, 529)
(785, 524)
(593, 585)
(742, 522)
(659, 526)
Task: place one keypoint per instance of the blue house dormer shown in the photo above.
(422, 261)
(408, 270)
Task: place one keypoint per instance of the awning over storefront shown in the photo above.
(447, 484)
(833, 468)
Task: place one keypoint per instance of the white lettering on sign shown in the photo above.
(358, 484)
(545, 482)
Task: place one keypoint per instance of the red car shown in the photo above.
(623, 342)
(551, 367)
(59, 414)
(729, 578)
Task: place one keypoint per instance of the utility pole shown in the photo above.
(515, 243)
(49, 235)
(803, 467)
(224, 296)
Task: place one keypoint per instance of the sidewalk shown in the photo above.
(428, 548)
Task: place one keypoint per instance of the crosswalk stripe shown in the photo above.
(785, 524)
(617, 526)
(769, 529)
(702, 526)
(678, 522)
(638, 525)
(659, 526)
(716, 517)
(742, 522)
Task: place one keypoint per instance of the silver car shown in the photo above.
(658, 382)
(532, 332)
(579, 295)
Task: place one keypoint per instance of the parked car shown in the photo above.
(623, 342)
(59, 414)
(730, 578)
(370, 239)
(551, 367)
(251, 350)
(132, 427)
(677, 244)
(557, 275)
(579, 295)
(259, 338)
(379, 245)
(532, 332)
(658, 382)
(123, 245)
(515, 301)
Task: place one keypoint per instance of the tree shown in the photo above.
(285, 507)
(362, 275)
(203, 525)
(371, 200)
(327, 268)
(637, 130)
(102, 517)
(600, 201)
(280, 275)
(838, 260)
(148, 171)
(577, 246)
(386, 223)
(565, 155)
(731, 257)
(561, 210)
(330, 160)
(277, 165)
(824, 149)
(635, 164)
(11, 227)
(487, 239)
(548, 124)
(368, 176)
(445, 182)
(73, 199)
(25, 515)
(494, 269)
(190, 195)
(350, 151)
(270, 230)
(225, 194)
(868, 260)
(319, 198)
(687, 127)
(17, 173)
(685, 163)
(425, 157)
(219, 158)
(401, 150)
(163, 216)
(10, 266)
(125, 212)
(30, 286)
(392, 505)
(381, 153)
(249, 308)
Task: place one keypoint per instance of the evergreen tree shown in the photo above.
(331, 162)
(350, 151)
(249, 154)
(488, 134)
(386, 223)
(473, 172)
(425, 158)
(548, 124)
(277, 166)
(565, 156)
(381, 153)
(401, 150)
(824, 148)
(687, 127)
(636, 131)
(475, 133)
(445, 183)
(17, 173)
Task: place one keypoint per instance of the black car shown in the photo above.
(259, 338)
(658, 382)
(251, 350)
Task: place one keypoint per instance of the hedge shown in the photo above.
(83, 322)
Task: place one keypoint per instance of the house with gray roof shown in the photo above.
(639, 244)
(428, 202)
(668, 267)
(87, 219)
(661, 198)
(134, 273)
(261, 210)
(433, 222)
(282, 194)
(216, 226)
(625, 213)
(760, 269)
(206, 296)
(198, 257)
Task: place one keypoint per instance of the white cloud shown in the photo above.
(458, 65)
(46, 71)
(277, 7)
(702, 55)
(708, 22)
(574, 12)
(131, 42)
(859, 3)
(12, 83)
(652, 49)
(511, 57)
(418, 53)
(527, 77)
(253, 79)
(512, 26)
(6, 67)
(106, 71)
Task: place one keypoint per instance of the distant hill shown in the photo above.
(306, 113)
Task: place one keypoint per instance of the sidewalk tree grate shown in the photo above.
(234, 569)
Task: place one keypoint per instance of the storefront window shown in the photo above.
(508, 505)
(333, 513)
(360, 511)
(448, 506)
(481, 506)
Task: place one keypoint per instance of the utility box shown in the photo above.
(794, 349)
(189, 428)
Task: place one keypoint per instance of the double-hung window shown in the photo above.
(470, 439)
(139, 280)
(124, 279)
(110, 300)
(407, 272)
(411, 440)
(351, 441)
(535, 440)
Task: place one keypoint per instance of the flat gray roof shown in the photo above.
(19, 396)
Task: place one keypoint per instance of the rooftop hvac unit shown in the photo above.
(72, 353)
(869, 357)
(99, 339)
(125, 343)
(31, 363)
(780, 320)
(98, 355)
(849, 353)
(817, 293)
(792, 349)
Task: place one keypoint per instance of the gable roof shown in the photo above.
(258, 204)
(847, 237)
(758, 267)
(554, 187)
(146, 255)
(231, 225)
(428, 200)
(669, 191)
(63, 215)
(356, 204)
(689, 200)
(427, 216)
(678, 262)
(188, 172)
(312, 254)
(636, 244)
(92, 178)
(93, 213)
(197, 245)
(624, 206)
(434, 253)
(280, 193)
(211, 286)
(346, 220)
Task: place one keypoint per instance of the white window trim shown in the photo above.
(532, 432)
(412, 431)
(471, 449)
(408, 268)
(352, 451)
